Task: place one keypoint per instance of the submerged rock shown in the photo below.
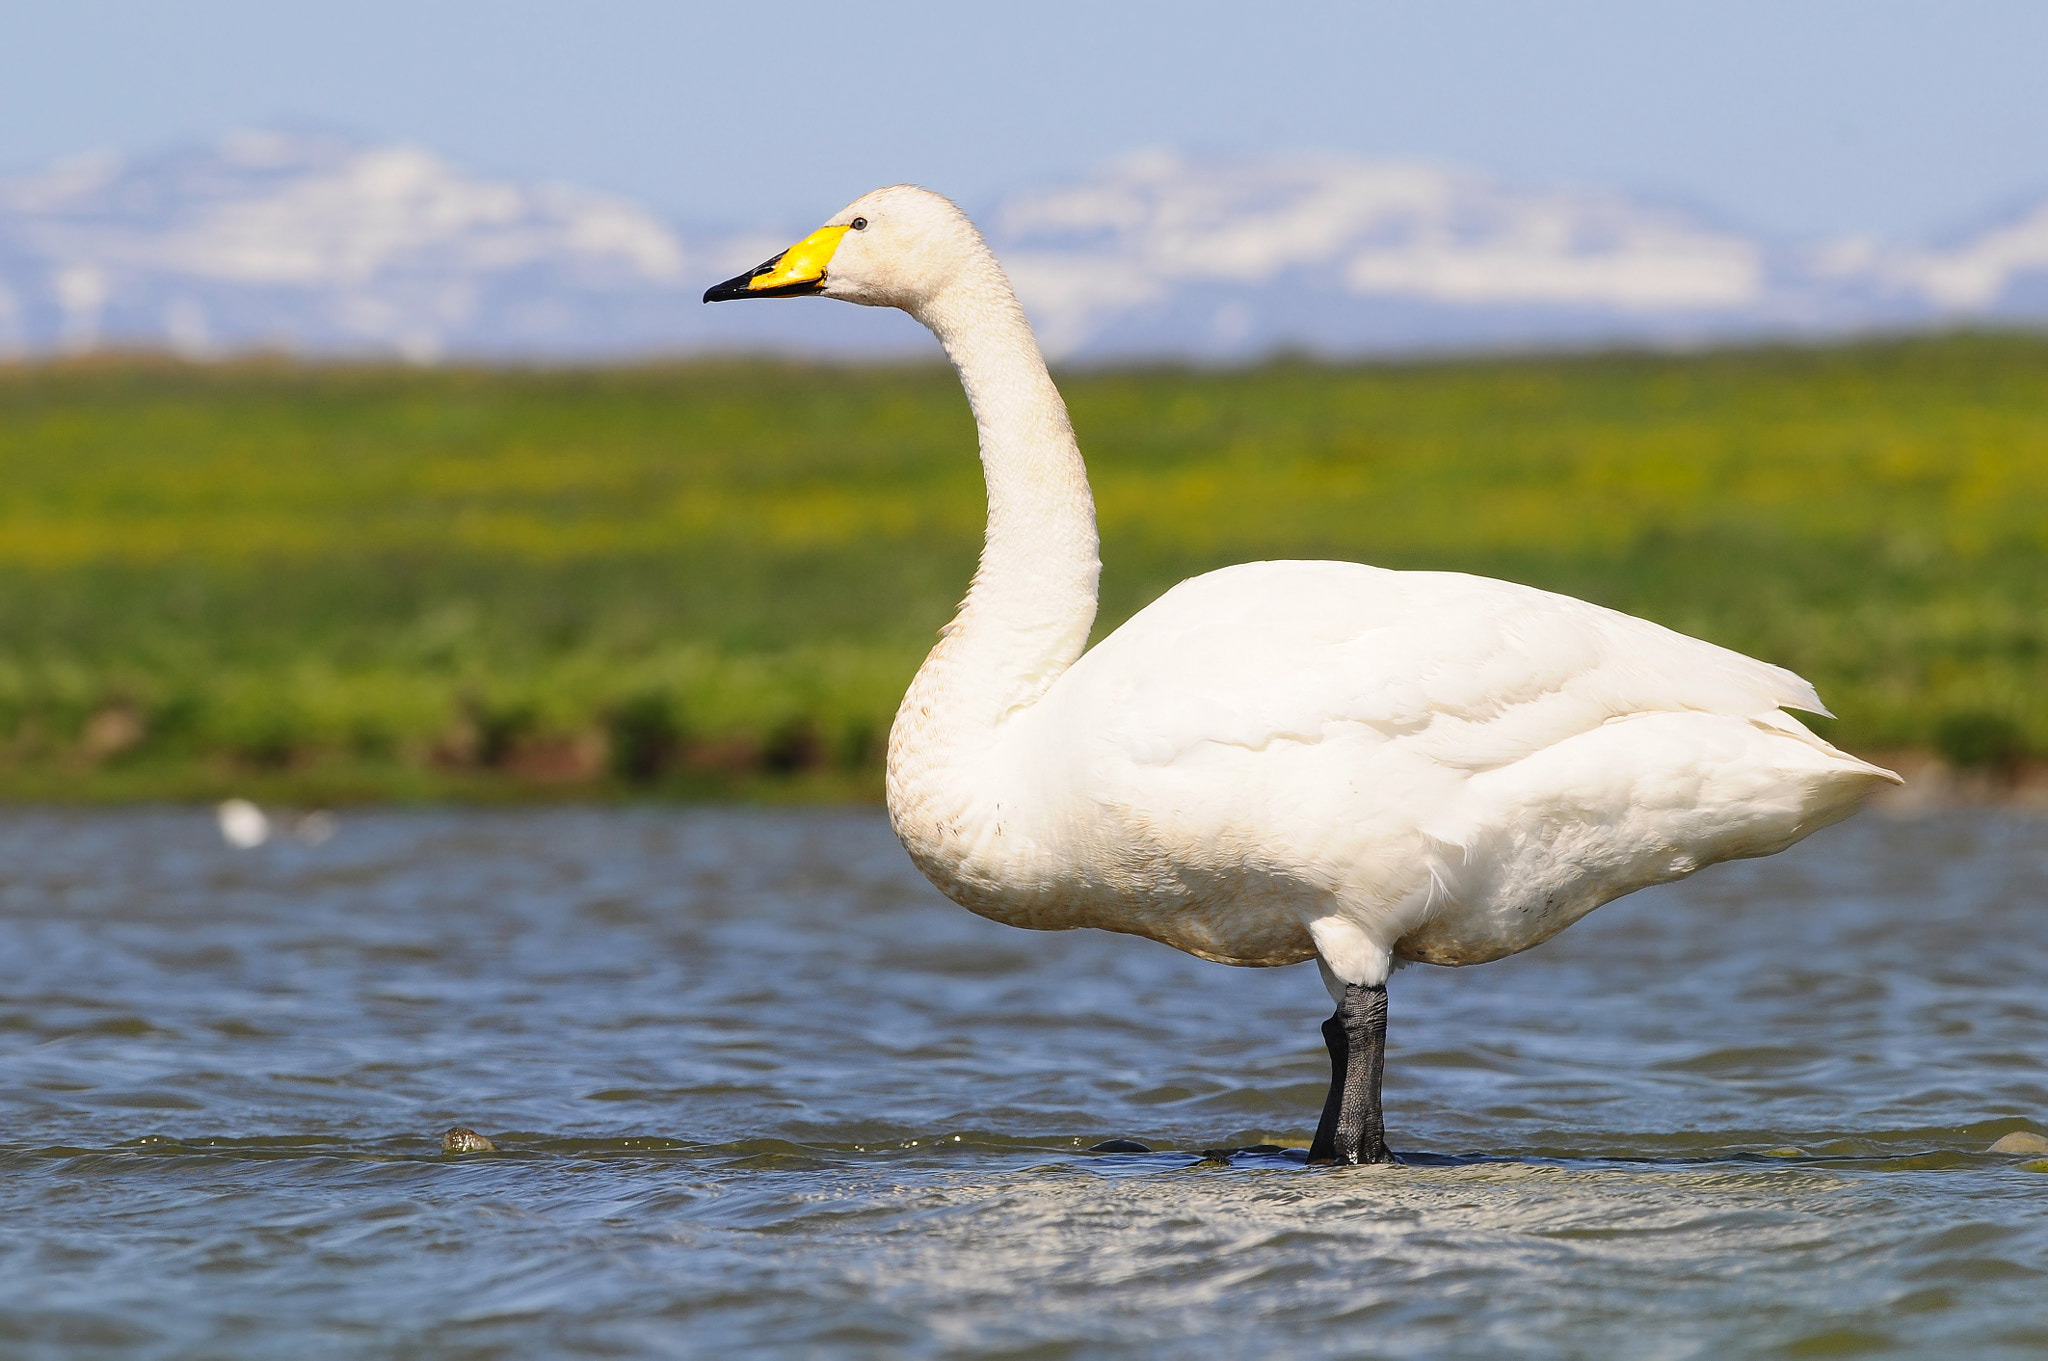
(1118, 1146)
(2020, 1141)
(462, 1139)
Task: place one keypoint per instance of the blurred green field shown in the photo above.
(715, 578)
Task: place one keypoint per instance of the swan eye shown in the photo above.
(859, 224)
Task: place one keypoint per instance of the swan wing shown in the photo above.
(1464, 766)
(1470, 672)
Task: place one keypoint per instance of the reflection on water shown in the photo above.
(756, 1088)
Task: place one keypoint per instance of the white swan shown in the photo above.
(1289, 760)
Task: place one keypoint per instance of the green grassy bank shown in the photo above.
(337, 582)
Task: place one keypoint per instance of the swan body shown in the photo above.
(1289, 760)
(1395, 765)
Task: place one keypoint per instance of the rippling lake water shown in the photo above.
(757, 1089)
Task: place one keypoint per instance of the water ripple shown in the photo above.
(754, 1088)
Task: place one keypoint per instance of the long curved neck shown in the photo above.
(1027, 615)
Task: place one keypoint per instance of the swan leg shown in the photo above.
(1352, 1130)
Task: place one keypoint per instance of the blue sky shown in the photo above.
(1799, 117)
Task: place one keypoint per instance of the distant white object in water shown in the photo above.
(316, 828)
(242, 824)
(1284, 761)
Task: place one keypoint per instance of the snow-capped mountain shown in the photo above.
(1336, 253)
(2001, 271)
(319, 244)
(323, 245)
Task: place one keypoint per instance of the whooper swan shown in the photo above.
(1288, 760)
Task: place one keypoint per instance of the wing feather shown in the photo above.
(1471, 672)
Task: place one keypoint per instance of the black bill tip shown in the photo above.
(739, 285)
(735, 287)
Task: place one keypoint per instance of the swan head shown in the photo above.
(895, 247)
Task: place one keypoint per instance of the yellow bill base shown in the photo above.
(803, 263)
(796, 271)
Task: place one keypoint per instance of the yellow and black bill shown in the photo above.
(792, 274)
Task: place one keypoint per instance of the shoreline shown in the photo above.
(1932, 785)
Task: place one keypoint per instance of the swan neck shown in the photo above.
(1027, 615)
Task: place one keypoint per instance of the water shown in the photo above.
(757, 1090)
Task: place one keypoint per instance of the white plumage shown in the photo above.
(1289, 760)
(1393, 764)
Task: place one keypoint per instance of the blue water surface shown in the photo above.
(757, 1089)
